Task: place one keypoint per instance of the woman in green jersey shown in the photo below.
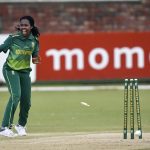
(22, 46)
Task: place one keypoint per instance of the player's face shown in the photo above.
(25, 27)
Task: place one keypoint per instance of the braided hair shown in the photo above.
(34, 29)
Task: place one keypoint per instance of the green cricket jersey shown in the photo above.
(20, 50)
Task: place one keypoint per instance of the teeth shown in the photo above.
(24, 31)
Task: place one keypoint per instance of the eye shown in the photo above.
(24, 25)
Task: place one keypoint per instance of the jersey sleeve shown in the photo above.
(35, 52)
(6, 45)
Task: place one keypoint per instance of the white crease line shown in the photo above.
(79, 88)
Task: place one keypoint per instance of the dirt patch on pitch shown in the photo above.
(75, 141)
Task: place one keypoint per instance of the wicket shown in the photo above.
(131, 93)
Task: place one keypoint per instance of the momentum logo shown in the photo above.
(118, 54)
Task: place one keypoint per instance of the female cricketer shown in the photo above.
(22, 46)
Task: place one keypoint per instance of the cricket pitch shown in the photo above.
(75, 141)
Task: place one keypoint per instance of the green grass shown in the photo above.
(62, 111)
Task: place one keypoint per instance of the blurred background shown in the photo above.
(85, 40)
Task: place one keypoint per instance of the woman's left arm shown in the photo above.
(36, 59)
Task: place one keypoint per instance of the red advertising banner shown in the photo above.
(94, 56)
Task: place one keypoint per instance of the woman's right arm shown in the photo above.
(6, 45)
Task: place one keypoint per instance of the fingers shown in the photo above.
(36, 60)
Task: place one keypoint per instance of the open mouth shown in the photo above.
(24, 32)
